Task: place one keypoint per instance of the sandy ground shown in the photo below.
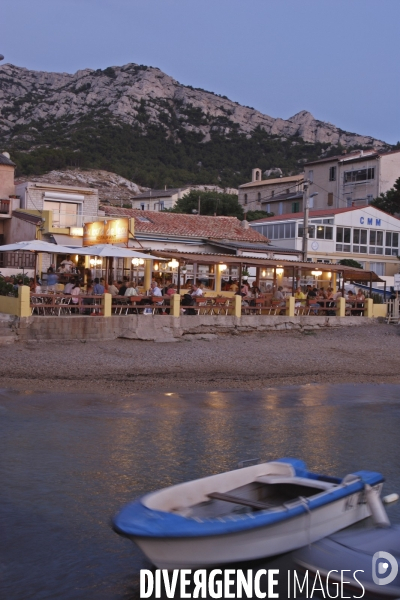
(346, 355)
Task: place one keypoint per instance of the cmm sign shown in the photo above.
(106, 232)
(370, 221)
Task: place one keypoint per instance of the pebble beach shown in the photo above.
(367, 354)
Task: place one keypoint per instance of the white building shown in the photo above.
(365, 234)
(352, 179)
(280, 195)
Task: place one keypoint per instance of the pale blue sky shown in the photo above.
(338, 59)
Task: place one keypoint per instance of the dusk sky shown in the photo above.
(339, 59)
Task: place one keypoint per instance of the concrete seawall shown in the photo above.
(157, 328)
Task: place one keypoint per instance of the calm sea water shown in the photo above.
(68, 462)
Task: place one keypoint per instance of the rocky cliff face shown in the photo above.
(112, 188)
(138, 95)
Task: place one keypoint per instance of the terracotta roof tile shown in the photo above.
(177, 224)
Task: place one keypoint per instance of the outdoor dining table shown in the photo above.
(57, 304)
(326, 305)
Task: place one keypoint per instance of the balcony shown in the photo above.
(5, 208)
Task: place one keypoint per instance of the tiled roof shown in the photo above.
(324, 212)
(154, 194)
(280, 180)
(353, 156)
(176, 224)
(6, 161)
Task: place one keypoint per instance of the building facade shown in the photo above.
(280, 196)
(365, 234)
(353, 179)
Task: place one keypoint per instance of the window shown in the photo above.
(279, 231)
(280, 208)
(375, 241)
(65, 214)
(295, 207)
(360, 241)
(311, 176)
(272, 193)
(343, 237)
(330, 199)
(245, 198)
(162, 205)
(391, 243)
(377, 267)
(142, 205)
(332, 174)
(311, 231)
(324, 233)
(268, 208)
(360, 175)
(259, 197)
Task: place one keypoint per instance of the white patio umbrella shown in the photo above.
(108, 250)
(36, 246)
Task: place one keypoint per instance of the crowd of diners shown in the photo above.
(74, 285)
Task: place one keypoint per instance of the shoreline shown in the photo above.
(369, 354)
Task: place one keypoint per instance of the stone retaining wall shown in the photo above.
(158, 328)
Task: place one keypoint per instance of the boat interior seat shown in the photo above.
(303, 481)
(238, 500)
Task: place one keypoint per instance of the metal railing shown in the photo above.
(5, 206)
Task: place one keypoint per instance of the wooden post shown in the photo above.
(343, 285)
(217, 278)
(369, 308)
(290, 306)
(370, 283)
(106, 304)
(237, 306)
(24, 301)
(293, 282)
(274, 281)
(179, 277)
(148, 270)
(175, 305)
(341, 307)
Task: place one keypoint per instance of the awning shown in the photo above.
(349, 273)
(67, 240)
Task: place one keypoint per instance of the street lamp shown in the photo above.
(305, 223)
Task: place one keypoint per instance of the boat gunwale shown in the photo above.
(137, 520)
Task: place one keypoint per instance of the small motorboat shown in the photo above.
(246, 514)
(372, 554)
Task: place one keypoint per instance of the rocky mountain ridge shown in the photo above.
(140, 96)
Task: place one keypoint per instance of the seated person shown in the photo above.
(52, 279)
(360, 296)
(312, 298)
(171, 289)
(300, 298)
(279, 295)
(234, 286)
(196, 290)
(68, 287)
(113, 289)
(98, 288)
(76, 290)
(131, 290)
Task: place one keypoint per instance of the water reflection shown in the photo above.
(69, 461)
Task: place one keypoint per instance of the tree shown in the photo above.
(349, 262)
(254, 215)
(389, 202)
(211, 203)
